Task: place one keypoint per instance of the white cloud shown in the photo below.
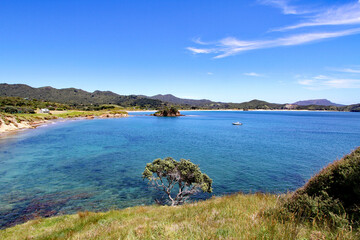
(210, 73)
(231, 46)
(199, 50)
(307, 82)
(347, 70)
(326, 82)
(347, 14)
(198, 41)
(253, 74)
(320, 77)
(284, 6)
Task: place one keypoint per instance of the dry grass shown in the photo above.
(229, 217)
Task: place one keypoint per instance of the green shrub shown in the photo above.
(332, 196)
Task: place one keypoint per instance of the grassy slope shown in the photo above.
(230, 217)
(60, 114)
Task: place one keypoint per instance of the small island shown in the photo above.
(168, 112)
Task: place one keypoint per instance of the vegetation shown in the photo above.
(36, 118)
(327, 207)
(82, 100)
(331, 197)
(229, 217)
(182, 101)
(168, 112)
(23, 105)
(77, 98)
(18, 118)
(185, 176)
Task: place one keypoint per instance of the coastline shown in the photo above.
(256, 110)
(15, 125)
(11, 124)
(236, 110)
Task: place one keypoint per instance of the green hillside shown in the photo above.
(76, 97)
(331, 196)
(80, 99)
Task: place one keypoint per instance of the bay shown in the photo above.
(96, 165)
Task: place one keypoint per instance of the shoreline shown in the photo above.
(15, 126)
(240, 110)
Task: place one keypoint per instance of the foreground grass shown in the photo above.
(229, 217)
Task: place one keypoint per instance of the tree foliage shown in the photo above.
(332, 195)
(168, 112)
(168, 174)
(24, 105)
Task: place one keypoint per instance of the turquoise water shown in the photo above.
(96, 164)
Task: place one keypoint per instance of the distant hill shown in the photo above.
(181, 101)
(81, 99)
(75, 97)
(320, 102)
(205, 103)
(259, 104)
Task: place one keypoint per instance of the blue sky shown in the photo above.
(275, 50)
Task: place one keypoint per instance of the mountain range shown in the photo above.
(79, 98)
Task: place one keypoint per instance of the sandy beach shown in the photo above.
(13, 125)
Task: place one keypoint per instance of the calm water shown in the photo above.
(97, 164)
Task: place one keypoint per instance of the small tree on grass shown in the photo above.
(165, 174)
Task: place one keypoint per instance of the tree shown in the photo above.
(168, 112)
(167, 174)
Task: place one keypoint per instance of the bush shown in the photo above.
(331, 196)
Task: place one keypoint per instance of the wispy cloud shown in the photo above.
(284, 6)
(347, 14)
(210, 73)
(231, 46)
(325, 82)
(199, 50)
(253, 74)
(346, 70)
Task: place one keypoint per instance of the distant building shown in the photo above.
(290, 106)
(44, 110)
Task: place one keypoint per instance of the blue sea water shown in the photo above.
(96, 164)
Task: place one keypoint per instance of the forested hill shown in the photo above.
(182, 101)
(76, 97)
(208, 104)
(81, 99)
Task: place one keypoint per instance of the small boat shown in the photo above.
(236, 123)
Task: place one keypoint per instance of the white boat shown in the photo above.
(237, 123)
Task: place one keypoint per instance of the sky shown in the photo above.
(279, 51)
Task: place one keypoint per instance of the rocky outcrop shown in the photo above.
(8, 124)
(162, 114)
(112, 115)
(172, 112)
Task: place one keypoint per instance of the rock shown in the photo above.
(172, 112)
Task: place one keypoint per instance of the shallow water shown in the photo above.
(96, 164)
